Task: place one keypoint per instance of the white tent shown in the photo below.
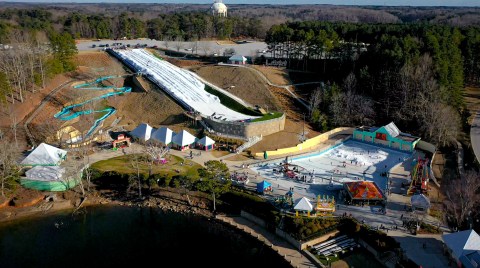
(49, 173)
(163, 135)
(303, 204)
(420, 202)
(45, 155)
(183, 138)
(206, 143)
(143, 132)
(462, 243)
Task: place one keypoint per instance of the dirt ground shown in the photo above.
(294, 125)
(247, 84)
(276, 75)
(471, 96)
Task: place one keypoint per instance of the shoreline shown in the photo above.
(46, 208)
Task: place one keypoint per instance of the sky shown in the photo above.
(283, 2)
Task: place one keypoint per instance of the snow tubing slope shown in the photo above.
(182, 85)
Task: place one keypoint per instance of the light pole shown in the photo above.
(303, 135)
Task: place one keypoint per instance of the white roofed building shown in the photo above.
(219, 9)
(237, 59)
(303, 205)
(183, 140)
(163, 135)
(142, 132)
(45, 155)
(206, 143)
(461, 244)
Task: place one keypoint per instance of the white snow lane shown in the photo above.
(180, 84)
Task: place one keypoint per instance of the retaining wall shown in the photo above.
(310, 142)
(253, 218)
(247, 129)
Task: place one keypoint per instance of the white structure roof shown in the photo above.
(163, 135)
(44, 155)
(420, 200)
(462, 243)
(143, 131)
(183, 138)
(45, 173)
(206, 141)
(237, 58)
(182, 85)
(303, 204)
(392, 129)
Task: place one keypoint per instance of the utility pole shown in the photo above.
(303, 135)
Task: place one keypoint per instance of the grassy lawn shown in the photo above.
(268, 117)
(123, 165)
(231, 103)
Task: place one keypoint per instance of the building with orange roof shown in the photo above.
(363, 191)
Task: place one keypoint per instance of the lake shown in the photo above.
(106, 236)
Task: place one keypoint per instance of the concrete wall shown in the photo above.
(247, 129)
(303, 245)
(253, 218)
(310, 142)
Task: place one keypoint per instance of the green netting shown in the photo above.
(52, 186)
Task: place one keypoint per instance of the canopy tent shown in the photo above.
(47, 178)
(183, 139)
(143, 132)
(163, 135)
(237, 59)
(262, 186)
(303, 204)
(45, 155)
(206, 143)
(462, 243)
(420, 202)
(363, 191)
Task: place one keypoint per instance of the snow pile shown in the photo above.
(180, 84)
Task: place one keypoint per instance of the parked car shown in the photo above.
(94, 46)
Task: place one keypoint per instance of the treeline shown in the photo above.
(176, 26)
(29, 58)
(413, 74)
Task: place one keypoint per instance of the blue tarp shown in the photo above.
(261, 186)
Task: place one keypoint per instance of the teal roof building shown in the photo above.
(388, 136)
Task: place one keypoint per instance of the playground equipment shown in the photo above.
(420, 175)
(67, 113)
(325, 204)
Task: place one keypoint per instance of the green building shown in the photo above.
(389, 136)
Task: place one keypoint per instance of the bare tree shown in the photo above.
(315, 100)
(9, 171)
(205, 47)
(135, 163)
(461, 196)
(154, 153)
(178, 44)
(167, 42)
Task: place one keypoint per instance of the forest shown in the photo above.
(413, 74)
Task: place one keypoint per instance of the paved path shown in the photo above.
(475, 135)
(282, 247)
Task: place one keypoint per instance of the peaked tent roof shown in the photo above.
(44, 155)
(261, 186)
(49, 173)
(183, 138)
(392, 129)
(237, 58)
(420, 200)
(303, 204)
(143, 131)
(363, 190)
(206, 141)
(462, 243)
(163, 134)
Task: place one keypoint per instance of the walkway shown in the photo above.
(282, 247)
(39, 108)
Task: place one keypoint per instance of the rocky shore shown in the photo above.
(166, 200)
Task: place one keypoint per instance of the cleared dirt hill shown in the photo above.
(247, 84)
